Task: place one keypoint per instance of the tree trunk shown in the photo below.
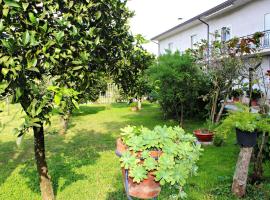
(64, 120)
(139, 104)
(250, 86)
(44, 178)
(181, 115)
(241, 172)
(220, 112)
(214, 106)
(257, 175)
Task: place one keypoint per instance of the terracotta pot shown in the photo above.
(146, 189)
(134, 109)
(236, 99)
(203, 136)
(254, 103)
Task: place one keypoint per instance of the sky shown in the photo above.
(153, 17)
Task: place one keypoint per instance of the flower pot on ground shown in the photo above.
(254, 102)
(204, 135)
(256, 95)
(236, 94)
(151, 158)
(134, 106)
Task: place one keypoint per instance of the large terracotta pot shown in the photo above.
(203, 135)
(146, 189)
(254, 102)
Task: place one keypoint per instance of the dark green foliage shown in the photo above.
(178, 82)
(73, 45)
(236, 93)
(256, 94)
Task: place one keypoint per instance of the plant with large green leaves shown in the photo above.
(176, 163)
(51, 49)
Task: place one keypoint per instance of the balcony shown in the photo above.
(265, 40)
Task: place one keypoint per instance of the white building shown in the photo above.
(233, 18)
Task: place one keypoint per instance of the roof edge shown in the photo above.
(204, 14)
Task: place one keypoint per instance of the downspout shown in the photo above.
(158, 46)
(208, 40)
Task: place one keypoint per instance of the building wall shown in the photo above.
(243, 20)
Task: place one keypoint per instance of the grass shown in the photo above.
(83, 166)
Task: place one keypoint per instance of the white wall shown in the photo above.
(243, 20)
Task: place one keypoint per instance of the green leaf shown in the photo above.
(57, 99)
(34, 69)
(25, 6)
(128, 160)
(77, 68)
(5, 11)
(5, 71)
(75, 103)
(2, 27)
(33, 41)
(98, 14)
(59, 35)
(138, 173)
(150, 163)
(12, 3)
(45, 27)
(18, 93)
(97, 40)
(4, 59)
(32, 18)
(32, 63)
(25, 38)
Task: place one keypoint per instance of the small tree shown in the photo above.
(50, 49)
(227, 64)
(178, 83)
(139, 60)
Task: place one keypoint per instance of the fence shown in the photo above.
(111, 95)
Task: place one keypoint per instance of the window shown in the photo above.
(267, 22)
(193, 41)
(225, 34)
(170, 46)
(266, 38)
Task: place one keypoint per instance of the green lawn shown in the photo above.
(83, 165)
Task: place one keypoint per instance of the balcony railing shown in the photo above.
(265, 40)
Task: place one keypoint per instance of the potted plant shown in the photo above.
(244, 123)
(205, 134)
(151, 158)
(134, 106)
(236, 94)
(256, 95)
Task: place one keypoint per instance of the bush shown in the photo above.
(178, 83)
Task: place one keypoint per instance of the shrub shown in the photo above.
(178, 83)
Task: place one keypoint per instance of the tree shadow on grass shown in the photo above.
(87, 110)
(11, 156)
(65, 156)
